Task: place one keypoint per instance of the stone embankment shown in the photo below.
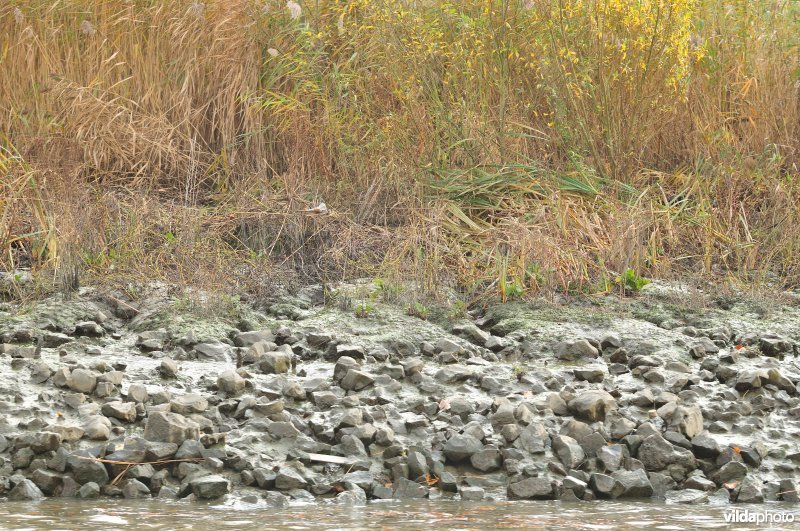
(302, 401)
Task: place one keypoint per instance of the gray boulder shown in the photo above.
(210, 487)
(459, 448)
(170, 427)
(592, 405)
(575, 350)
(531, 489)
(635, 483)
(25, 490)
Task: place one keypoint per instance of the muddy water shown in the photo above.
(56, 514)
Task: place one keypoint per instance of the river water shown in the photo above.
(54, 514)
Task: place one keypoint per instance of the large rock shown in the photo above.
(533, 438)
(688, 420)
(82, 381)
(275, 362)
(188, 404)
(592, 405)
(97, 428)
(89, 491)
(125, 411)
(288, 478)
(656, 454)
(568, 451)
(487, 459)
(531, 489)
(356, 380)
(731, 471)
(248, 339)
(230, 382)
(606, 486)
(134, 489)
(575, 350)
(790, 490)
(170, 427)
(213, 351)
(210, 487)
(43, 441)
(461, 447)
(687, 496)
(85, 469)
(25, 490)
(406, 489)
(750, 491)
(48, 481)
(635, 483)
(704, 445)
(137, 393)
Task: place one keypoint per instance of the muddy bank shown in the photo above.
(671, 396)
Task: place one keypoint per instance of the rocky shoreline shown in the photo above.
(301, 401)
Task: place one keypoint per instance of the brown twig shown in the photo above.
(129, 464)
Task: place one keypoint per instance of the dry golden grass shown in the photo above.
(494, 146)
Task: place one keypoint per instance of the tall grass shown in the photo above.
(551, 144)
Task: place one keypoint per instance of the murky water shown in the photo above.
(67, 515)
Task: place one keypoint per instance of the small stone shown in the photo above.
(282, 430)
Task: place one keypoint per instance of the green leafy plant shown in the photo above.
(365, 309)
(458, 310)
(519, 371)
(418, 309)
(631, 282)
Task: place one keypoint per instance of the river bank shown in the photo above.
(673, 396)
